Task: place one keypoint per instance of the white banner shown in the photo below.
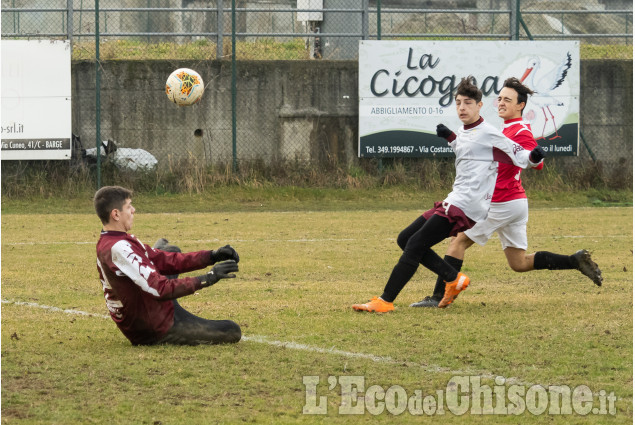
(36, 99)
(407, 87)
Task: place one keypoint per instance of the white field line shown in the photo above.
(56, 309)
(216, 240)
(313, 349)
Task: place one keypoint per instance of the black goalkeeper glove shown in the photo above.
(537, 155)
(224, 253)
(218, 272)
(443, 131)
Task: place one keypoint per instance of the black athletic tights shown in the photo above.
(416, 241)
(189, 329)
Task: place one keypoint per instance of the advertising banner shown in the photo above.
(407, 87)
(36, 99)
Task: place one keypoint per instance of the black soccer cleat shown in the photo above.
(426, 302)
(588, 266)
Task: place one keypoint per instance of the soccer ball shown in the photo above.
(184, 87)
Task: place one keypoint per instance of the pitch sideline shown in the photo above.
(260, 339)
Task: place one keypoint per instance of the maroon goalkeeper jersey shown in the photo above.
(138, 295)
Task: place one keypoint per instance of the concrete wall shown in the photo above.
(293, 110)
(606, 111)
(286, 110)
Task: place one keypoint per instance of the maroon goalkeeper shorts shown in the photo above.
(456, 216)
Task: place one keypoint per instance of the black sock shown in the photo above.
(549, 260)
(439, 288)
(401, 274)
(437, 265)
(417, 249)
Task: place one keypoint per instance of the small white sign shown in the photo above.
(305, 16)
(36, 100)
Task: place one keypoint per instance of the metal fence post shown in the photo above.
(380, 164)
(378, 19)
(81, 7)
(16, 19)
(586, 145)
(364, 19)
(148, 24)
(234, 156)
(69, 21)
(219, 29)
(514, 6)
(97, 97)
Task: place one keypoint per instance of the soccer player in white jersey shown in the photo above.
(478, 148)
(509, 212)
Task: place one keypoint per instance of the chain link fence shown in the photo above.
(257, 109)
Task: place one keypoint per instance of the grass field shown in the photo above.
(300, 272)
(263, 49)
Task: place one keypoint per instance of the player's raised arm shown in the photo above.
(508, 151)
(446, 133)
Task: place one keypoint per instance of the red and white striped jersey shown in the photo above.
(138, 295)
(508, 183)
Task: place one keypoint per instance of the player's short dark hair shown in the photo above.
(523, 91)
(467, 88)
(109, 198)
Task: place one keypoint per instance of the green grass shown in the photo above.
(301, 269)
(608, 51)
(266, 198)
(262, 49)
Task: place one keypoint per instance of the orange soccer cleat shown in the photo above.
(452, 289)
(376, 305)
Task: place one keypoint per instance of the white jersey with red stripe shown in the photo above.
(478, 148)
(508, 183)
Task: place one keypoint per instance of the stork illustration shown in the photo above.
(544, 85)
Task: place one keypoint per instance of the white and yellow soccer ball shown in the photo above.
(184, 87)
